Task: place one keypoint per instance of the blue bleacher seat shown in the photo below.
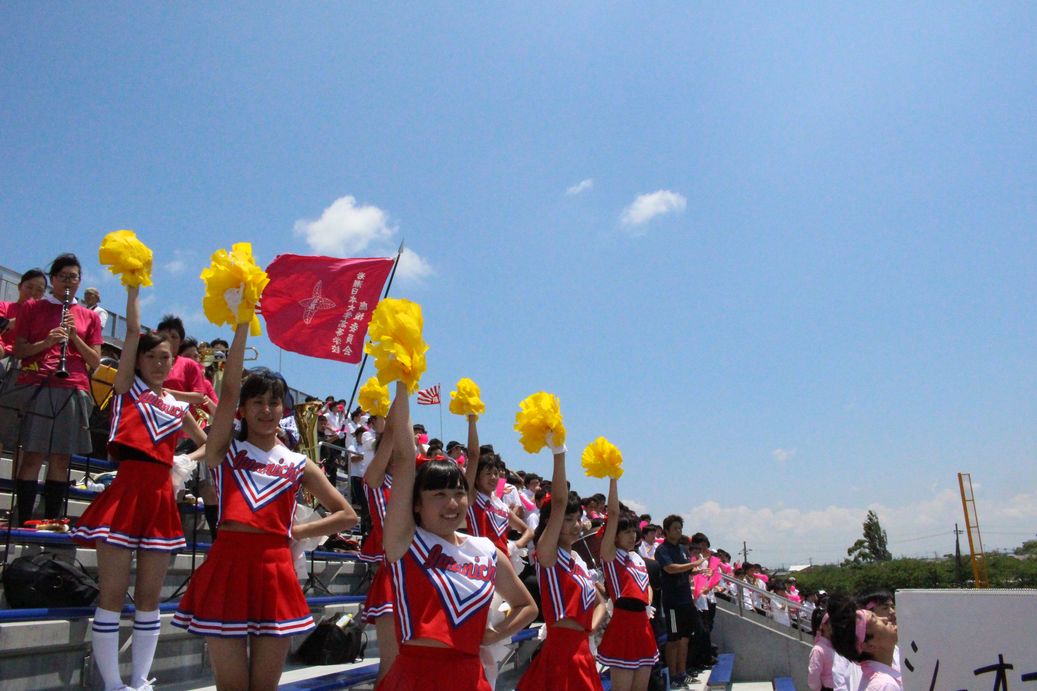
(720, 675)
(784, 684)
(338, 680)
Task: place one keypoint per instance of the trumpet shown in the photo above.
(210, 357)
(66, 305)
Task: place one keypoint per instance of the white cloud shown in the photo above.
(580, 187)
(782, 455)
(148, 299)
(648, 206)
(779, 535)
(344, 228)
(175, 266)
(636, 506)
(412, 266)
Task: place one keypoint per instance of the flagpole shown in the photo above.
(441, 437)
(360, 373)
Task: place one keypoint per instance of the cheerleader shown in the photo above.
(377, 487)
(138, 512)
(628, 646)
(487, 515)
(573, 608)
(443, 580)
(245, 598)
(862, 636)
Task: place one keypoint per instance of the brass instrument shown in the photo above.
(210, 357)
(66, 305)
(306, 419)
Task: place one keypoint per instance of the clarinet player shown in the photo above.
(55, 336)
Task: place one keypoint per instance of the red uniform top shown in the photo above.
(146, 423)
(378, 500)
(188, 376)
(258, 487)
(443, 591)
(626, 576)
(566, 590)
(488, 517)
(35, 322)
(10, 310)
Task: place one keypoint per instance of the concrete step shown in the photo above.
(752, 686)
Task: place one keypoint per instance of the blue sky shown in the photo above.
(782, 256)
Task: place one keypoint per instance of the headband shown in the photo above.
(821, 625)
(860, 630)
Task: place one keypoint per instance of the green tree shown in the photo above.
(872, 547)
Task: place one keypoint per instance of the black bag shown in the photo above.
(338, 639)
(44, 580)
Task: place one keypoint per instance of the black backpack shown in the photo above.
(338, 639)
(44, 580)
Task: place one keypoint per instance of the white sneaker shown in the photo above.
(147, 686)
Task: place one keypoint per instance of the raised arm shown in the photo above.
(547, 547)
(608, 540)
(471, 468)
(383, 454)
(222, 428)
(398, 529)
(128, 358)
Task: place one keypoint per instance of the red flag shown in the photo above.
(321, 306)
(429, 396)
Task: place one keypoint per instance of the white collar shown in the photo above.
(49, 297)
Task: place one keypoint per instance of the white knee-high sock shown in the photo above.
(104, 636)
(146, 626)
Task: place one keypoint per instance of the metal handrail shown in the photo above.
(794, 609)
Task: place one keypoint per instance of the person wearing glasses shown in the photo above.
(55, 410)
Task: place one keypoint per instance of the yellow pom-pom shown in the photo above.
(233, 286)
(601, 458)
(374, 398)
(127, 256)
(396, 343)
(465, 401)
(539, 414)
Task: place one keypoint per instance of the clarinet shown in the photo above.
(66, 305)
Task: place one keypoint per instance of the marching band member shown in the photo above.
(138, 512)
(245, 598)
(572, 606)
(443, 580)
(628, 646)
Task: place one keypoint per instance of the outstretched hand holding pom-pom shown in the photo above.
(539, 423)
(126, 256)
(601, 458)
(233, 286)
(396, 342)
(465, 401)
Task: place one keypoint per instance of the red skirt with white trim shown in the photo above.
(434, 669)
(246, 587)
(628, 642)
(564, 663)
(379, 595)
(137, 511)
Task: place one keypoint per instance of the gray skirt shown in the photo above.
(46, 419)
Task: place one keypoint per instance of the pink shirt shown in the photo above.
(876, 676)
(10, 310)
(819, 669)
(35, 322)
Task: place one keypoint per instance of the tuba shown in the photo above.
(306, 418)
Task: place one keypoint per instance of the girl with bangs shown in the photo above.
(443, 580)
(245, 598)
(862, 636)
(572, 605)
(628, 646)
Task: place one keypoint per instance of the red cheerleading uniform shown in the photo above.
(442, 592)
(629, 642)
(138, 510)
(565, 662)
(379, 595)
(247, 586)
(488, 517)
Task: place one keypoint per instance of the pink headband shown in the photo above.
(860, 631)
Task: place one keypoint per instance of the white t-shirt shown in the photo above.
(366, 449)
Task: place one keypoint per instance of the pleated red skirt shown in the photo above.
(137, 511)
(628, 642)
(564, 663)
(434, 669)
(246, 587)
(379, 595)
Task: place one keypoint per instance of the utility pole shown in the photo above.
(745, 552)
(957, 557)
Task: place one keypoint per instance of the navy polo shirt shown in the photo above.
(676, 587)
